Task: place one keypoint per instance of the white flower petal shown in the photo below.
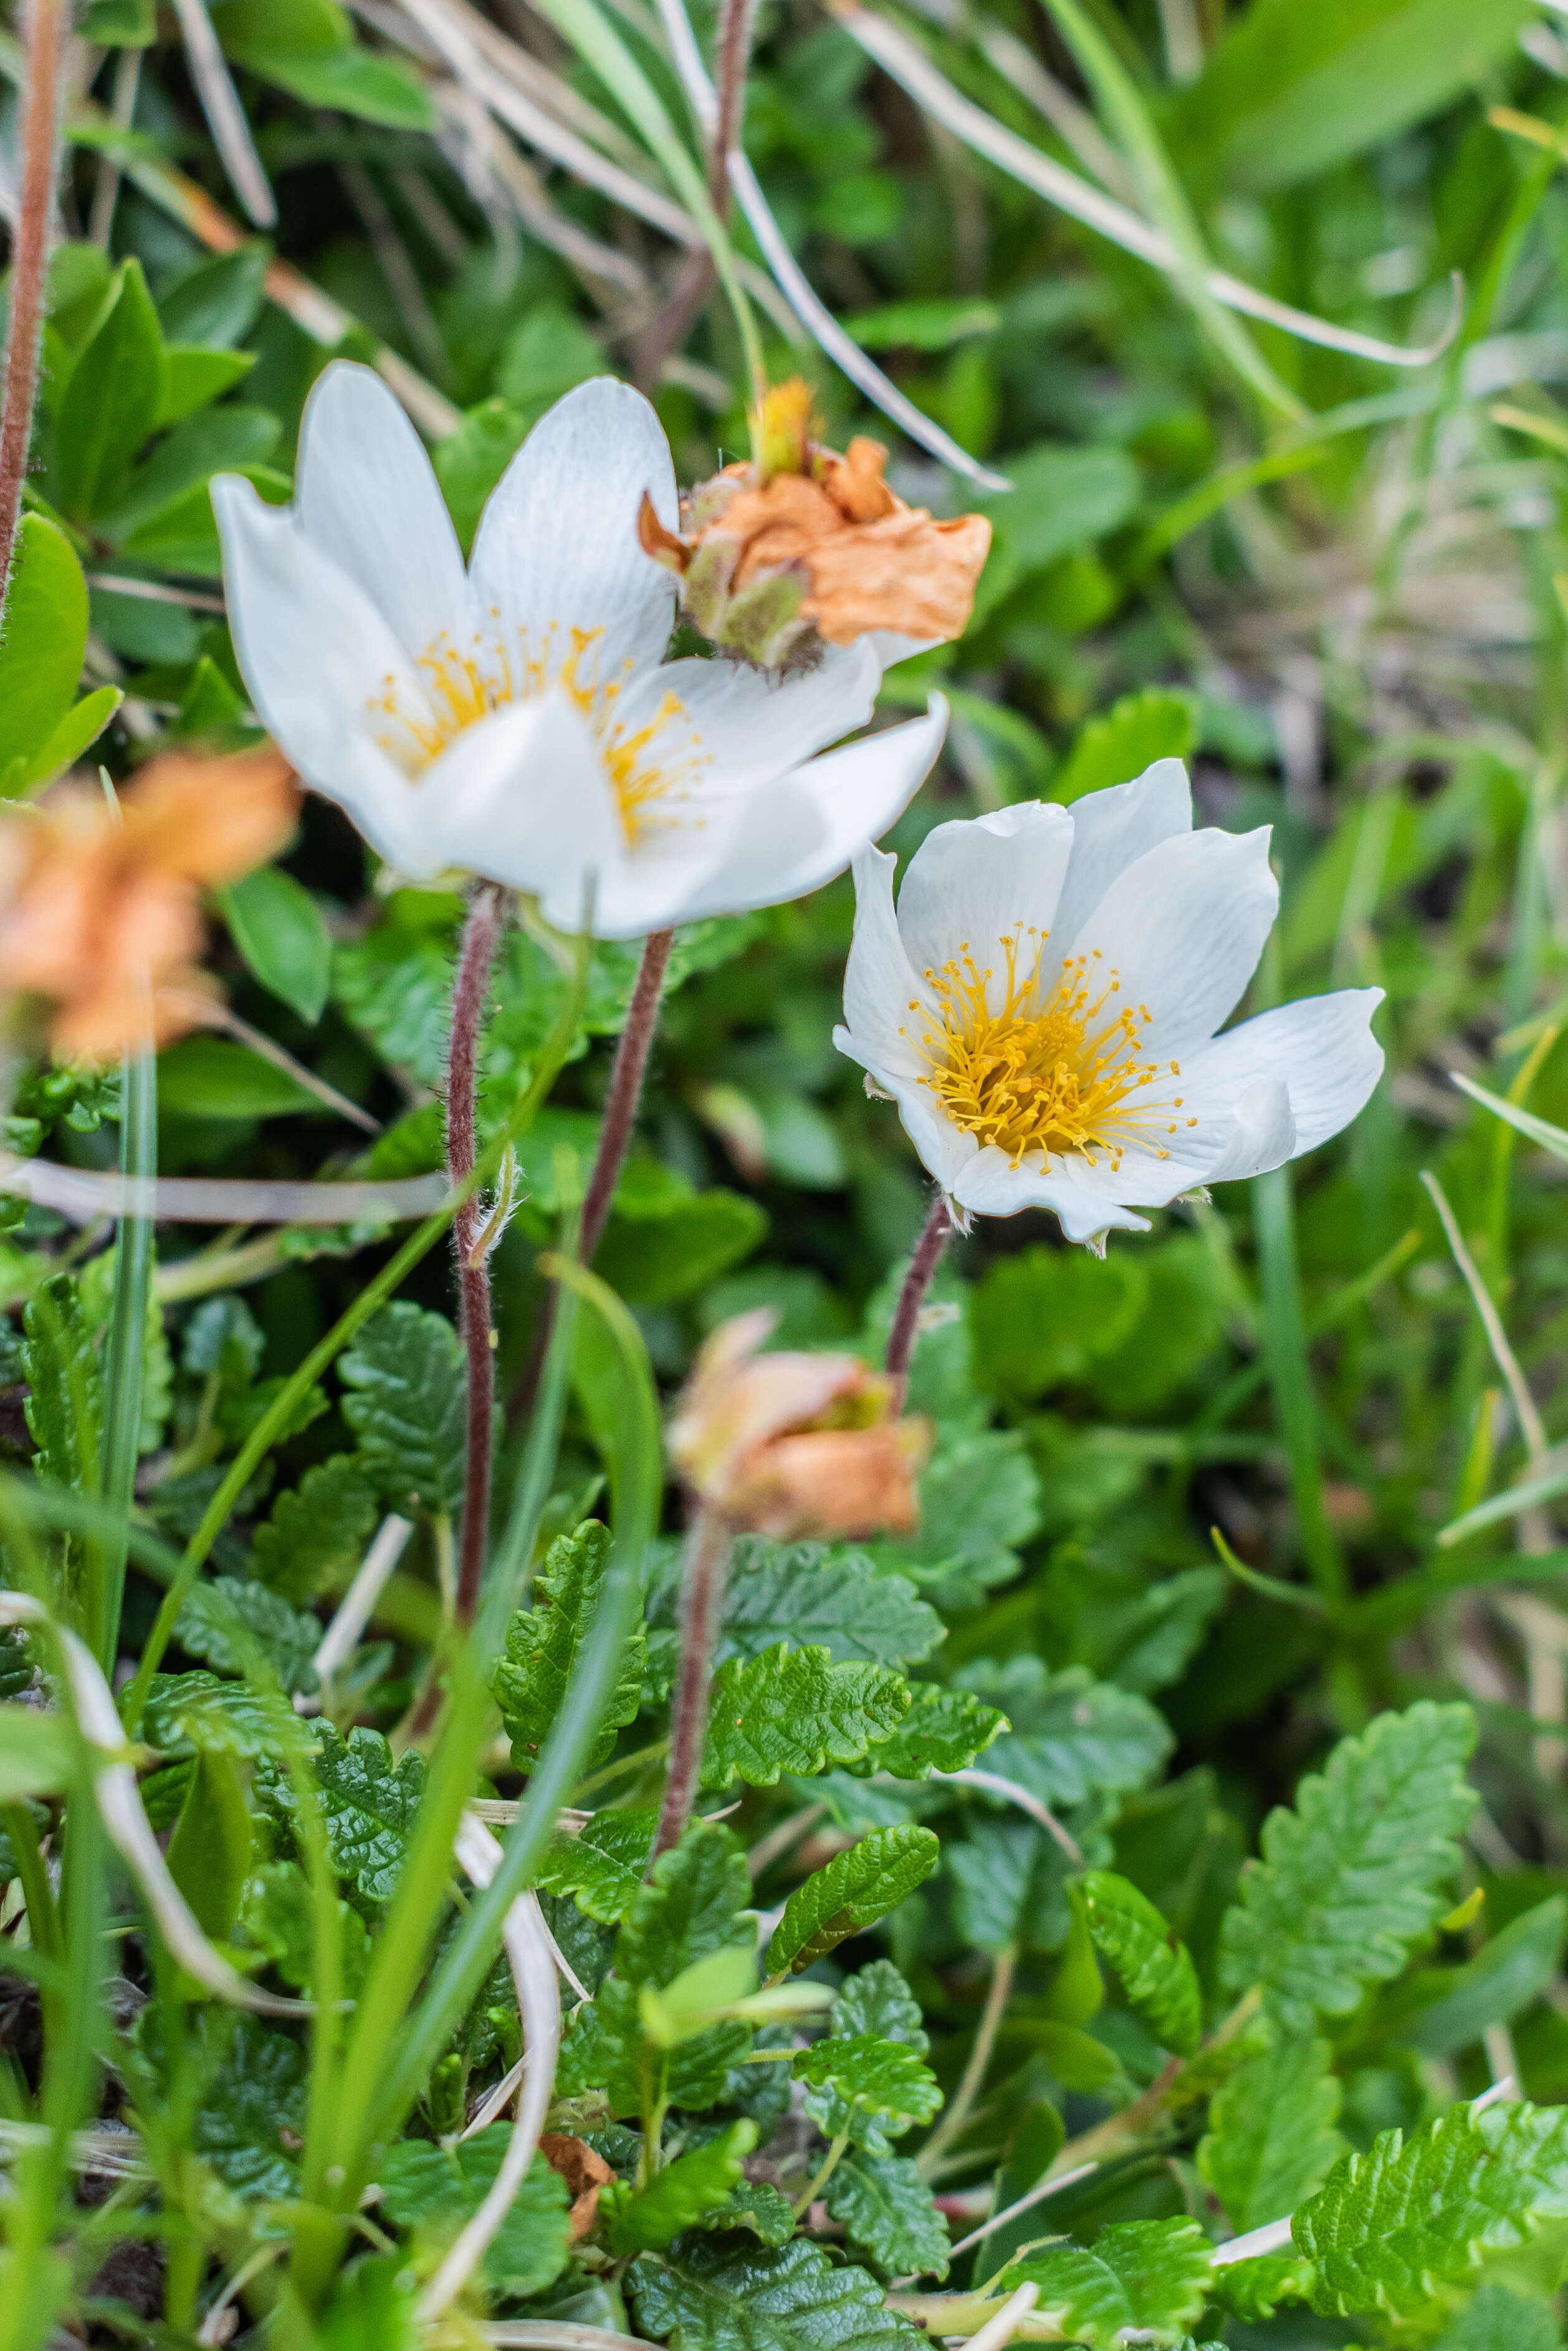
(969, 884)
(804, 828)
(1111, 827)
(367, 497)
(557, 549)
(1183, 928)
(744, 726)
(522, 797)
(945, 1150)
(1323, 1048)
(1263, 1133)
(992, 1187)
(317, 656)
(878, 984)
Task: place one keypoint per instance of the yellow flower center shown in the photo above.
(1057, 1069)
(462, 687)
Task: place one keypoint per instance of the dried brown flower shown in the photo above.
(804, 543)
(795, 1445)
(584, 2172)
(99, 910)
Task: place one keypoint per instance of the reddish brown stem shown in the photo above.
(29, 258)
(620, 1106)
(936, 1233)
(702, 1603)
(481, 938)
(698, 276)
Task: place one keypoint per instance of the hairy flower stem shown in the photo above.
(936, 1233)
(481, 938)
(45, 28)
(708, 1559)
(620, 1106)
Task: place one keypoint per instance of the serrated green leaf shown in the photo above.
(944, 1731)
(603, 1866)
(755, 2205)
(251, 2117)
(224, 1616)
(690, 1907)
(1497, 2319)
(368, 1803)
(278, 1918)
(1459, 2004)
(794, 1710)
(1390, 2229)
(438, 2188)
(407, 1403)
(646, 2219)
(873, 2088)
(198, 1710)
(64, 1403)
(543, 1642)
(804, 1594)
(1011, 1879)
(1155, 1969)
(849, 1893)
(1253, 2290)
(879, 2001)
(1070, 1735)
(324, 1526)
(979, 1500)
(1356, 1873)
(1271, 2140)
(721, 2294)
(887, 2212)
(1149, 2274)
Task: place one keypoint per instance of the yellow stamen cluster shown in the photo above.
(1057, 1069)
(459, 686)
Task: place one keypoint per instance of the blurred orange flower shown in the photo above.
(99, 910)
(795, 1445)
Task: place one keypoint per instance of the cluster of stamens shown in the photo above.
(1056, 1070)
(460, 687)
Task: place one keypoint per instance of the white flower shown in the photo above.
(518, 720)
(1043, 1005)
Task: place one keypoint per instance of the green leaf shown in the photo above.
(212, 1077)
(197, 376)
(1155, 1969)
(648, 2218)
(690, 1906)
(198, 1710)
(843, 1602)
(1505, 1975)
(754, 2204)
(368, 1804)
(543, 1642)
(113, 400)
(80, 727)
(873, 2088)
(471, 461)
(1289, 91)
(214, 302)
(1041, 1317)
(1011, 1882)
(221, 440)
(1061, 499)
(944, 1731)
(683, 1246)
(721, 2294)
(407, 1403)
(278, 929)
(879, 2001)
(1271, 2140)
(850, 1895)
(43, 640)
(1252, 2290)
(1148, 2274)
(1497, 2319)
(253, 2109)
(438, 2188)
(64, 1403)
(120, 23)
(322, 1527)
(1072, 1735)
(1356, 1874)
(278, 1918)
(1159, 722)
(210, 1852)
(887, 2212)
(37, 1753)
(223, 1617)
(794, 1710)
(603, 1866)
(1391, 2228)
(354, 81)
(979, 1499)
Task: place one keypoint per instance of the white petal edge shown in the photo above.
(1183, 928)
(366, 496)
(522, 797)
(557, 546)
(879, 981)
(1322, 1047)
(1112, 828)
(991, 1186)
(970, 882)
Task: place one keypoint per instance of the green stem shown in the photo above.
(126, 1352)
(974, 2074)
(820, 2176)
(1289, 1374)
